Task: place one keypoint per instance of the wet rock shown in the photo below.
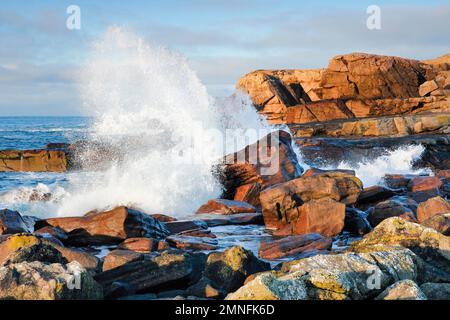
(285, 202)
(388, 209)
(255, 165)
(167, 269)
(230, 268)
(436, 291)
(374, 194)
(430, 245)
(11, 222)
(192, 243)
(402, 290)
(110, 227)
(223, 206)
(163, 218)
(39, 281)
(356, 222)
(117, 258)
(33, 160)
(235, 219)
(424, 184)
(52, 231)
(180, 226)
(432, 207)
(293, 246)
(397, 181)
(205, 288)
(440, 223)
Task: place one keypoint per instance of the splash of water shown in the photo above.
(147, 101)
(398, 161)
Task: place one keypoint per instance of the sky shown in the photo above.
(222, 40)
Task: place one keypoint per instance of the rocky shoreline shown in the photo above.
(294, 234)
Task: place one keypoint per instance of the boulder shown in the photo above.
(427, 243)
(356, 222)
(424, 184)
(287, 199)
(142, 245)
(118, 257)
(39, 281)
(53, 232)
(402, 290)
(432, 207)
(374, 194)
(235, 219)
(332, 277)
(259, 166)
(205, 288)
(163, 218)
(110, 227)
(192, 243)
(389, 209)
(428, 87)
(223, 206)
(436, 291)
(180, 226)
(293, 246)
(88, 261)
(169, 269)
(11, 222)
(33, 160)
(440, 223)
(230, 268)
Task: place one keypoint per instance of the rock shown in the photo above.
(424, 184)
(169, 269)
(432, 207)
(200, 233)
(311, 172)
(180, 226)
(192, 243)
(248, 193)
(356, 222)
(223, 206)
(205, 288)
(388, 209)
(163, 218)
(402, 290)
(33, 160)
(86, 260)
(110, 227)
(397, 181)
(229, 269)
(255, 165)
(28, 248)
(142, 245)
(374, 194)
(427, 87)
(11, 222)
(52, 231)
(332, 277)
(235, 219)
(436, 291)
(117, 258)
(289, 199)
(39, 281)
(427, 243)
(293, 245)
(440, 223)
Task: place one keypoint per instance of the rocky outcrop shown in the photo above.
(110, 227)
(310, 203)
(33, 160)
(39, 281)
(245, 173)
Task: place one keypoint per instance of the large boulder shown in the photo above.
(39, 281)
(440, 223)
(223, 206)
(230, 268)
(269, 161)
(11, 222)
(110, 227)
(389, 209)
(333, 277)
(402, 290)
(432, 207)
(427, 243)
(310, 204)
(293, 246)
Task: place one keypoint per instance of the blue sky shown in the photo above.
(223, 40)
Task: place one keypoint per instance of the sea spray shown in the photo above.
(151, 106)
